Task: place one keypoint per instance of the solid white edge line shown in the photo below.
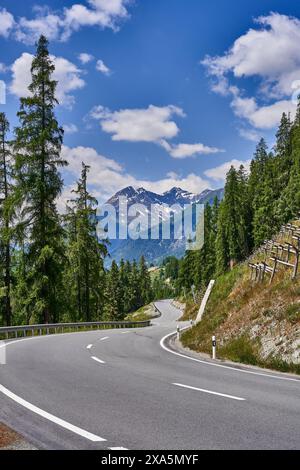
(50, 417)
(210, 392)
(97, 360)
(103, 339)
(162, 341)
(125, 332)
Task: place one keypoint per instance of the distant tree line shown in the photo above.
(52, 266)
(255, 205)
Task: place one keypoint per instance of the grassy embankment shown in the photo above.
(255, 323)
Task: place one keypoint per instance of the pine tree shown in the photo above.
(85, 253)
(288, 205)
(37, 148)
(113, 294)
(263, 191)
(144, 283)
(222, 249)
(6, 213)
(134, 287)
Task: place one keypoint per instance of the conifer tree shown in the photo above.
(144, 283)
(37, 148)
(288, 205)
(85, 252)
(6, 212)
(113, 294)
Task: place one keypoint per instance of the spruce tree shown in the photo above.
(37, 148)
(288, 205)
(85, 253)
(144, 283)
(6, 213)
(113, 294)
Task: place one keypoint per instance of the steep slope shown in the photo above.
(254, 322)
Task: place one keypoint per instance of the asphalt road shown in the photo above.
(122, 389)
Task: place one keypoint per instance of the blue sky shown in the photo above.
(158, 93)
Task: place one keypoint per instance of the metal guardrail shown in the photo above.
(8, 331)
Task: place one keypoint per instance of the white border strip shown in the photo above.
(162, 344)
(50, 417)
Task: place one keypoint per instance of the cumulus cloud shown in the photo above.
(106, 176)
(153, 124)
(269, 52)
(59, 25)
(7, 22)
(70, 128)
(249, 134)
(219, 173)
(3, 68)
(139, 125)
(85, 58)
(188, 150)
(101, 67)
(262, 117)
(66, 73)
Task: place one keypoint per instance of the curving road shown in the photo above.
(126, 389)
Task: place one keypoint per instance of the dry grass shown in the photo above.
(7, 436)
(247, 317)
(190, 311)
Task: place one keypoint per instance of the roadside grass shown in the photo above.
(199, 337)
(190, 311)
(240, 312)
(142, 314)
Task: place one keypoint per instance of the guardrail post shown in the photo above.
(178, 332)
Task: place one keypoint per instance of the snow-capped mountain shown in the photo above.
(154, 250)
(173, 196)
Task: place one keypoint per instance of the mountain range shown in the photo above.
(154, 250)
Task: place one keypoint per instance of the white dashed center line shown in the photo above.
(97, 360)
(210, 392)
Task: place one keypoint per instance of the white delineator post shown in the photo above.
(214, 347)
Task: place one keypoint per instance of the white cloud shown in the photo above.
(21, 76)
(270, 53)
(188, 150)
(139, 125)
(263, 117)
(85, 58)
(66, 73)
(219, 173)
(46, 23)
(3, 68)
(106, 176)
(6, 22)
(249, 134)
(59, 25)
(101, 67)
(153, 124)
(70, 128)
